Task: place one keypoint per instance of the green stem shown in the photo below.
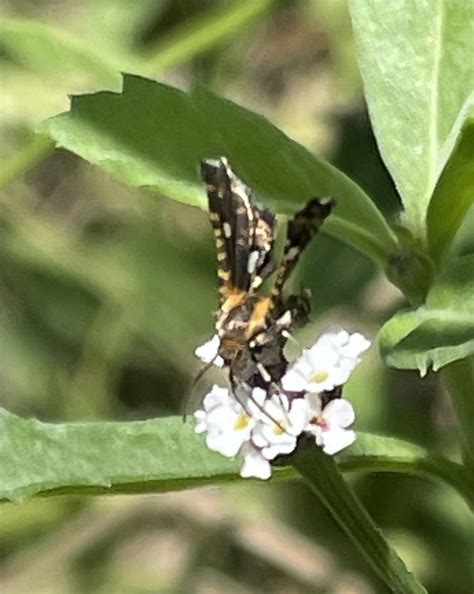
(202, 33)
(459, 378)
(322, 475)
(365, 242)
(439, 470)
(39, 147)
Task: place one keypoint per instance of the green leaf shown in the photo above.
(440, 331)
(415, 60)
(157, 455)
(453, 196)
(154, 135)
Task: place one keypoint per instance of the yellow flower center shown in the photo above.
(320, 377)
(241, 422)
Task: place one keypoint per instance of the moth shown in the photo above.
(253, 327)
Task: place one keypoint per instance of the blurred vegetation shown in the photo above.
(105, 291)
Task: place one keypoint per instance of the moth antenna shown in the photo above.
(292, 339)
(200, 374)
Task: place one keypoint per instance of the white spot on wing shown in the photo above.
(227, 230)
(285, 319)
(292, 253)
(252, 262)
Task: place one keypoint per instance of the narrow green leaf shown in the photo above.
(154, 135)
(440, 331)
(453, 195)
(416, 62)
(157, 455)
(47, 49)
(196, 35)
(323, 477)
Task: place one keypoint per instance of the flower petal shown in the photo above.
(340, 374)
(299, 416)
(338, 336)
(201, 424)
(258, 436)
(208, 352)
(228, 444)
(356, 345)
(339, 413)
(277, 407)
(294, 380)
(220, 418)
(283, 447)
(336, 440)
(255, 465)
(216, 397)
(319, 387)
(323, 354)
(256, 401)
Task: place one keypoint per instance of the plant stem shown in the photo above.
(459, 378)
(321, 473)
(441, 470)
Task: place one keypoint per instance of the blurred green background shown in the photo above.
(105, 291)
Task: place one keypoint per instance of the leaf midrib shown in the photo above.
(434, 101)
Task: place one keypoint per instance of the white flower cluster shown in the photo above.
(260, 428)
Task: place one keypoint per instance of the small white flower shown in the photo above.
(227, 423)
(207, 352)
(255, 464)
(327, 364)
(216, 397)
(279, 424)
(351, 345)
(329, 425)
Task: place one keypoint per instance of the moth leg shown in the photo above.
(235, 390)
